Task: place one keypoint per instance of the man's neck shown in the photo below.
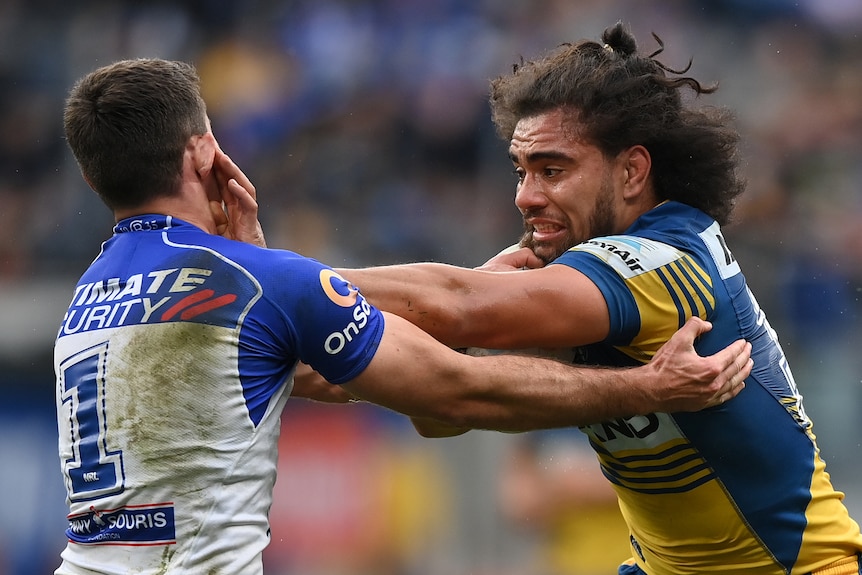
(178, 207)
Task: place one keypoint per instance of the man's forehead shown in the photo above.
(547, 133)
(550, 122)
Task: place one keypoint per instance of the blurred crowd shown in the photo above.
(365, 127)
(364, 123)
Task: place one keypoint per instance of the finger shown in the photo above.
(694, 328)
(743, 373)
(532, 261)
(745, 360)
(232, 171)
(237, 200)
(242, 213)
(226, 168)
(727, 396)
(737, 371)
(219, 217)
(222, 166)
(241, 195)
(733, 355)
(684, 338)
(735, 383)
(519, 259)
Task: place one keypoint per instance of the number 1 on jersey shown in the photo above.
(93, 470)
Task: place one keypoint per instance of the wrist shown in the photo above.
(641, 384)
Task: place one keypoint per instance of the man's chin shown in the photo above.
(546, 252)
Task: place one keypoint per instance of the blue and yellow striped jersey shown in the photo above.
(738, 488)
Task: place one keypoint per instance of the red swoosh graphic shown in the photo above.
(197, 303)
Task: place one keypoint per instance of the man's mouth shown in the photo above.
(547, 231)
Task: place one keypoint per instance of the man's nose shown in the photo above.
(529, 194)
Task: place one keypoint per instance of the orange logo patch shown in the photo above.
(334, 289)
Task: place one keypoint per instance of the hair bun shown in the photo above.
(620, 40)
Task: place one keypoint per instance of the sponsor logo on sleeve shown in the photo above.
(339, 291)
(344, 294)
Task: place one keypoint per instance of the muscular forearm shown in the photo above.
(443, 300)
(556, 306)
(507, 393)
(394, 288)
(414, 375)
(527, 393)
(516, 393)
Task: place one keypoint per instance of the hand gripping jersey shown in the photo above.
(738, 488)
(173, 363)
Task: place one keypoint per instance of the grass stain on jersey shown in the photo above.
(171, 387)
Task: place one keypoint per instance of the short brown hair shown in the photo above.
(127, 125)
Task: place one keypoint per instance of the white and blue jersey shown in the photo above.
(173, 364)
(738, 488)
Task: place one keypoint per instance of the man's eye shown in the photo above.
(519, 173)
(551, 172)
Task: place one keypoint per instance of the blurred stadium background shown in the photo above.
(364, 126)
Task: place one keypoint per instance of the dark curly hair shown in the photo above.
(620, 99)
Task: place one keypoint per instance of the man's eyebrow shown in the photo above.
(542, 156)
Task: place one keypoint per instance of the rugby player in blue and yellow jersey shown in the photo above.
(623, 188)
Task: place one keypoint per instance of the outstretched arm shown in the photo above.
(413, 374)
(686, 374)
(691, 382)
(554, 307)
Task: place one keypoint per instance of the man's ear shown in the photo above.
(638, 166)
(203, 150)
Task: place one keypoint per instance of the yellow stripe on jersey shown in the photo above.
(700, 277)
(829, 526)
(680, 289)
(654, 305)
(693, 297)
(668, 447)
(794, 408)
(672, 467)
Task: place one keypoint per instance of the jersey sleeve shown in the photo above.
(651, 289)
(622, 308)
(337, 330)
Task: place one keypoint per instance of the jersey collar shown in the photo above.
(145, 223)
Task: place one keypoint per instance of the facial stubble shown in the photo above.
(601, 223)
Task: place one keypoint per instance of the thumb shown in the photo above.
(694, 328)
